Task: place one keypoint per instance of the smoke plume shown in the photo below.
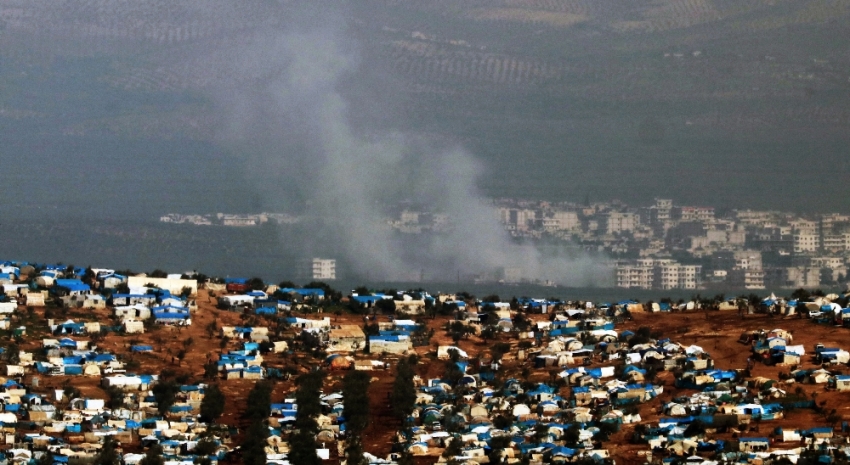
(312, 123)
(287, 104)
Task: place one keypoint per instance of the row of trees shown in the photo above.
(302, 443)
(403, 399)
(355, 393)
(303, 440)
(403, 395)
(257, 412)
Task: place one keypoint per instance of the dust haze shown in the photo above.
(309, 126)
(347, 112)
(347, 179)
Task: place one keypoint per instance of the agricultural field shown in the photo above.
(553, 86)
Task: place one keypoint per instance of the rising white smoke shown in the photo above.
(349, 175)
(289, 95)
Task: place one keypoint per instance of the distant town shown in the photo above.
(662, 246)
(225, 219)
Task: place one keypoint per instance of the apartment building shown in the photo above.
(323, 269)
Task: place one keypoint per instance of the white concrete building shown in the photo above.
(323, 269)
(806, 243)
(704, 214)
(562, 221)
(616, 222)
(836, 242)
(635, 276)
(746, 278)
(658, 274)
(748, 260)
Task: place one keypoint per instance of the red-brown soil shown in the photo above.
(716, 332)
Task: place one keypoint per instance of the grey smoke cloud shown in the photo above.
(287, 97)
(293, 100)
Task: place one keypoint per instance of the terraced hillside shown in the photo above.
(565, 86)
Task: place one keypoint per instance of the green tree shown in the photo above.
(185, 292)
(153, 456)
(302, 444)
(696, 428)
(205, 447)
(116, 397)
(331, 294)
(254, 446)
(108, 454)
(372, 329)
(165, 393)
(302, 448)
(403, 395)
(499, 350)
(452, 373)
(260, 401)
(521, 323)
(211, 328)
(355, 392)
(354, 451)
(453, 448)
(541, 432)
(212, 406)
(405, 458)
(13, 353)
(256, 284)
(45, 459)
(211, 370)
(458, 330)
(571, 435)
(386, 306)
(488, 332)
(362, 290)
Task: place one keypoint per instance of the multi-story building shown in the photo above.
(660, 212)
(512, 274)
(747, 260)
(658, 274)
(756, 218)
(666, 276)
(804, 276)
(616, 222)
(323, 269)
(825, 262)
(636, 275)
(690, 276)
(806, 242)
(560, 220)
(771, 238)
(517, 219)
(704, 214)
(567, 220)
(804, 226)
(834, 222)
(836, 242)
(746, 279)
(717, 236)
